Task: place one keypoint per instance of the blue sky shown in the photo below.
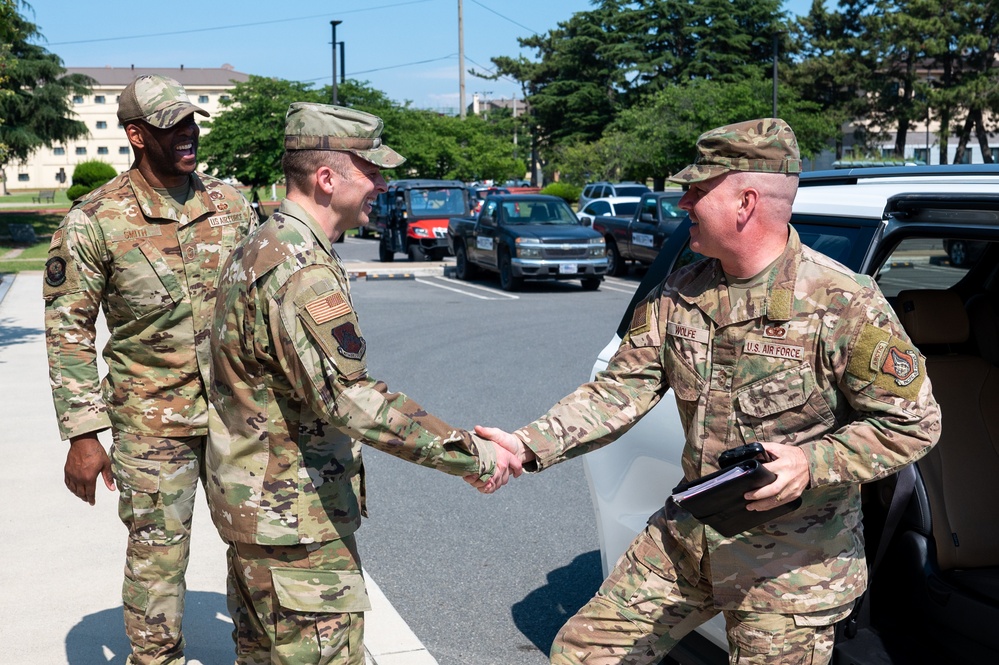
(406, 48)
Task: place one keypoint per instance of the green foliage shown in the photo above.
(563, 190)
(246, 138)
(35, 91)
(93, 173)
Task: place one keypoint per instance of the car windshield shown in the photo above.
(539, 212)
(437, 201)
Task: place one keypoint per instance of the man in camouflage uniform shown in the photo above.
(147, 247)
(286, 483)
(766, 341)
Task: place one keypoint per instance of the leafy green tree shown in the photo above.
(246, 138)
(88, 176)
(35, 91)
(652, 148)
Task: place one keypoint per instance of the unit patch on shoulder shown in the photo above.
(55, 271)
(350, 344)
(330, 320)
(893, 364)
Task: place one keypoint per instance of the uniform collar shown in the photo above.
(292, 209)
(702, 290)
(154, 206)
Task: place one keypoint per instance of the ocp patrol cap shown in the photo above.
(159, 100)
(310, 126)
(767, 145)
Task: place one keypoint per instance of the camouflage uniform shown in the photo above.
(285, 474)
(125, 248)
(812, 357)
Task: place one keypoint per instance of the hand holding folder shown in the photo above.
(717, 498)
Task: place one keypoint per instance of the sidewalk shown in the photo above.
(62, 559)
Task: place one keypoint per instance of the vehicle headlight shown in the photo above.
(420, 232)
(529, 251)
(597, 248)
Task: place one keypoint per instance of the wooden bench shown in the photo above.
(44, 195)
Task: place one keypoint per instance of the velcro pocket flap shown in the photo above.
(777, 393)
(321, 591)
(139, 475)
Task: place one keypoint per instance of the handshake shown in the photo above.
(511, 455)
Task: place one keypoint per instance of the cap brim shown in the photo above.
(382, 156)
(171, 115)
(698, 173)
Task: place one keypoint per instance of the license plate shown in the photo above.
(568, 269)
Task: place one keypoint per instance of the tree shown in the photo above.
(651, 148)
(36, 91)
(246, 138)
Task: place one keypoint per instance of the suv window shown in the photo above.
(598, 208)
(919, 263)
(630, 190)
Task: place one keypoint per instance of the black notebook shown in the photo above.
(717, 498)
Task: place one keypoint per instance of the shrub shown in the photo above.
(88, 176)
(563, 190)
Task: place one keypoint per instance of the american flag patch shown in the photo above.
(328, 308)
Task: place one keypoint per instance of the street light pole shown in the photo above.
(776, 38)
(333, 25)
(461, 61)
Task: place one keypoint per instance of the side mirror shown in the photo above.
(648, 217)
(486, 219)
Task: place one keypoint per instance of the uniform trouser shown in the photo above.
(645, 607)
(157, 479)
(298, 604)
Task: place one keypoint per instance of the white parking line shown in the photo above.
(497, 295)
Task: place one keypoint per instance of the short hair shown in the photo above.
(301, 165)
(776, 189)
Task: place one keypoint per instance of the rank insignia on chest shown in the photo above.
(774, 331)
(328, 308)
(351, 345)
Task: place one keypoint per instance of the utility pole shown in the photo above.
(776, 41)
(461, 61)
(334, 24)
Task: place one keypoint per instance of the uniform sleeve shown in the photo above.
(73, 290)
(896, 420)
(600, 411)
(322, 352)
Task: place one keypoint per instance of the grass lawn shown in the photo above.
(26, 198)
(33, 257)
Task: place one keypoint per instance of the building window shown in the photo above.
(202, 99)
(77, 99)
(102, 150)
(921, 155)
(223, 98)
(81, 151)
(23, 177)
(102, 124)
(123, 150)
(99, 99)
(58, 151)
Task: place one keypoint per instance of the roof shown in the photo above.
(186, 76)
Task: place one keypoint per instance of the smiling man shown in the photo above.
(147, 247)
(295, 402)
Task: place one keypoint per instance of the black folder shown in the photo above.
(717, 498)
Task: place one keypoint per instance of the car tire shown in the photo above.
(385, 253)
(417, 253)
(508, 281)
(591, 283)
(616, 265)
(957, 251)
(462, 268)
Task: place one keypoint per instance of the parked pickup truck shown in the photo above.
(640, 237)
(527, 236)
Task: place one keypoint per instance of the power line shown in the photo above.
(505, 18)
(240, 25)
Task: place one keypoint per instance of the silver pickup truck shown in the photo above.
(527, 237)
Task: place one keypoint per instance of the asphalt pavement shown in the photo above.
(63, 559)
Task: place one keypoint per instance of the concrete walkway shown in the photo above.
(62, 559)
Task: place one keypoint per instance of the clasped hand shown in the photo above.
(511, 455)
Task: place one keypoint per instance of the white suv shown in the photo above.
(935, 597)
(603, 190)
